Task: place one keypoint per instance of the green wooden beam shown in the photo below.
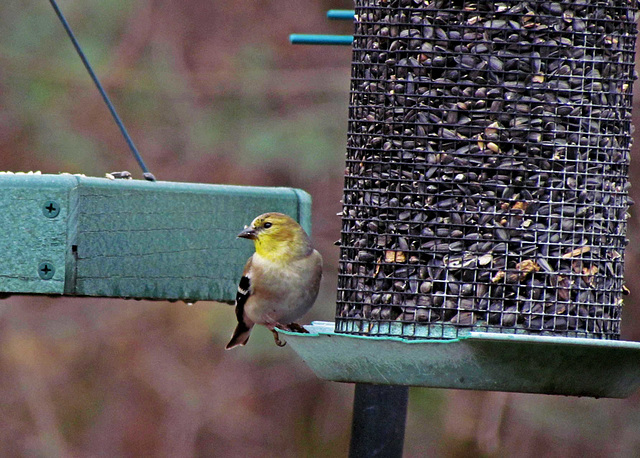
(83, 236)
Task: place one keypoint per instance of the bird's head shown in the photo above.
(277, 236)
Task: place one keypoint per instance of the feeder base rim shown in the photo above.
(478, 361)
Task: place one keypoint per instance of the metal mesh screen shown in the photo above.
(487, 160)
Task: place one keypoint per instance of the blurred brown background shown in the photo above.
(213, 92)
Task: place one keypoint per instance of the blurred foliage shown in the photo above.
(213, 92)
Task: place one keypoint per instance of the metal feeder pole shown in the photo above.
(379, 419)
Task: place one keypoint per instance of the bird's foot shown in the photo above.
(276, 337)
(295, 327)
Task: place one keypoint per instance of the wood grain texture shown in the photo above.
(132, 238)
(28, 237)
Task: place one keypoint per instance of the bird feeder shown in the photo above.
(485, 199)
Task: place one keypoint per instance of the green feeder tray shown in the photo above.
(478, 361)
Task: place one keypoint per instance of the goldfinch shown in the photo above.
(280, 281)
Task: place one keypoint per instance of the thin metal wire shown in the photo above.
(147, 175)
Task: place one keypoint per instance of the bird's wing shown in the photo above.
(244, 291)
(243, 329)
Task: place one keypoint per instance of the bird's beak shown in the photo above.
(248, 233)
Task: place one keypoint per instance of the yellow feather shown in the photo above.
(279, 238)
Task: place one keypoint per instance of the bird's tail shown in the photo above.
(240, 335)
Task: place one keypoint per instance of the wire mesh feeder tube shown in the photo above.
(487, 163)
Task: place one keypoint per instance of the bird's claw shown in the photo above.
(295, 327)
(276, 337)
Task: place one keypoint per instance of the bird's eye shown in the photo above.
(267, 225)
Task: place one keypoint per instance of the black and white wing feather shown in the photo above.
(243, 329)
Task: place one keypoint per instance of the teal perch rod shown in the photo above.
(311, 39)
(341, 15)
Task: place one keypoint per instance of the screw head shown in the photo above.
(46, 270)
(51, 209)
